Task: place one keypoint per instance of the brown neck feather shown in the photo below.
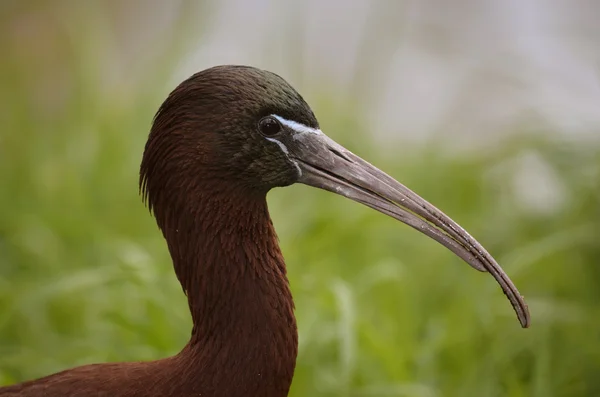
(227, 258)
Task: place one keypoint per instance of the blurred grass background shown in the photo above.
(383, 311)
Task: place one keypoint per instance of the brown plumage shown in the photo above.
(218, 144)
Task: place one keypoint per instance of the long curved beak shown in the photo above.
(327, 165)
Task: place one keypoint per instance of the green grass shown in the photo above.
(383, 311)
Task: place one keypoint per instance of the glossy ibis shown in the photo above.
(220, 141)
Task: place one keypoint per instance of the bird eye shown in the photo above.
(269, 126)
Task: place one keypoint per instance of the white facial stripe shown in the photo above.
(284, 149)
(297, 168)
(297, 127)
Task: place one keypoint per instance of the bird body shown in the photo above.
(218, 144)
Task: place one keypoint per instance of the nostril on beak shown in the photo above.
(340, 155)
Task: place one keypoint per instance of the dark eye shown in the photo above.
(269, 126)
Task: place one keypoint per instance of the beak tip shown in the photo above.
(522, 310)
(525, 318)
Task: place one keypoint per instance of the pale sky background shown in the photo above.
(476, 70)
(467, 67)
